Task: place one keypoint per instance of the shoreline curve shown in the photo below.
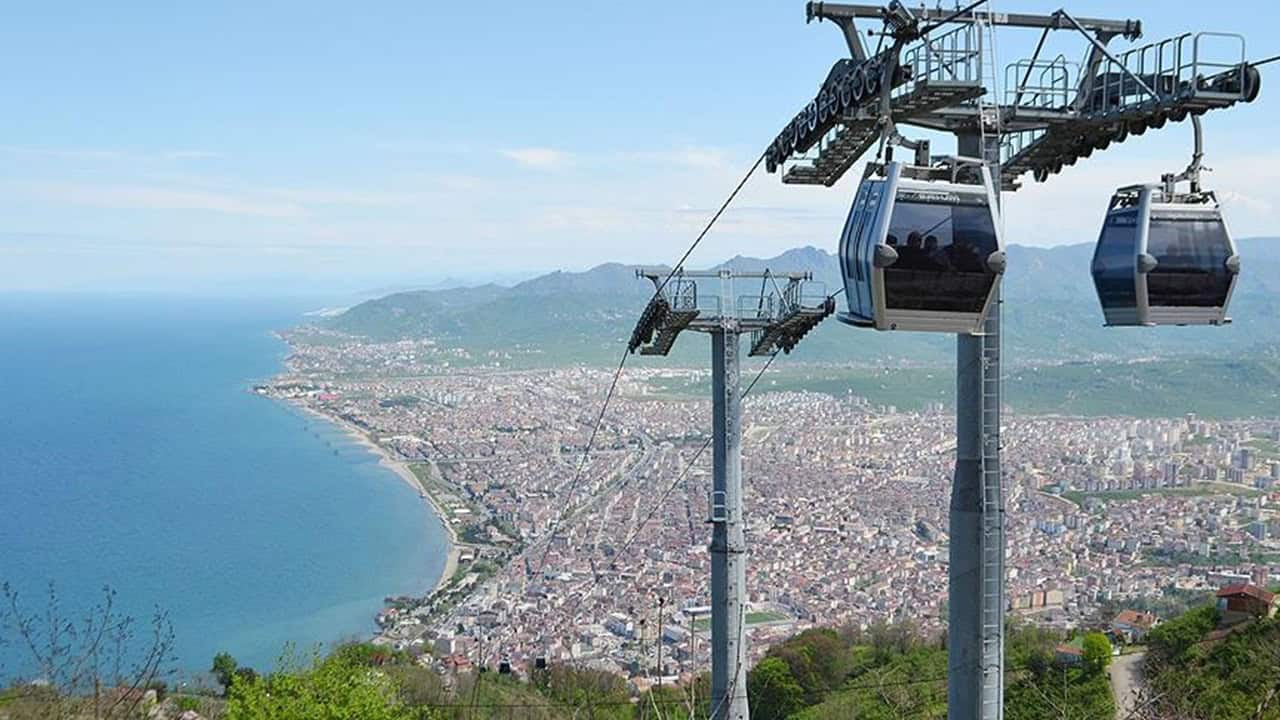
(406, 474)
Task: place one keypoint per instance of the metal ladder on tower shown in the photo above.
(993, 510)
(993, 536)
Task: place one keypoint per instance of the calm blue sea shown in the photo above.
(133, 455)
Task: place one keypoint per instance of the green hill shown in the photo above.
(1052, 315)
(1058, 356)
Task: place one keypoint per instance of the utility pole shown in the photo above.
(777, 317)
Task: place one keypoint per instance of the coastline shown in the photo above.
(403, 471)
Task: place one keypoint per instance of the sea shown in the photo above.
(134, 456)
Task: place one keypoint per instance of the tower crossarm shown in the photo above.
(781, 310)
(1127, 94)
(936, 73)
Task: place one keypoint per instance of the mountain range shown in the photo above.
(1051, 316)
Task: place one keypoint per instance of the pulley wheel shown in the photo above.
(858, 84)
(1252, 84)
(873, 78)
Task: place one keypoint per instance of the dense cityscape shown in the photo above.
(592, 558)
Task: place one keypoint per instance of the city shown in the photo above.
(846, 506)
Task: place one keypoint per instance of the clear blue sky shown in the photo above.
(251, 146)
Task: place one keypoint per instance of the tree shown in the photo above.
(581, 686)
(1170, 640)
(224, 669)
(773, 692)
(331, 688)
(818, 659)
(1097, 652)
(99, 665)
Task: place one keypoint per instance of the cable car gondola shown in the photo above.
(1164, 257)
(919, 253)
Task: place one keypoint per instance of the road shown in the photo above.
(1126, 678)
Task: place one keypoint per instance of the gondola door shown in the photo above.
(1195, 264)
(946, 254)
(857, 248)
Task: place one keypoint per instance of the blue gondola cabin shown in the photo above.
(921, 254)
(1164, 259)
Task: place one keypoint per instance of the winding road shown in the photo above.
(1126, 679)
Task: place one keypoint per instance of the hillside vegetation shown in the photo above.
(1052, 314)
(890, 672)
(1193, 671)
(1196, 672)
(1058, 355)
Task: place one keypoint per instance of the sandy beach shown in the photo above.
(402, 470)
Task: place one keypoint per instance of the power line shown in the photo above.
(635, 534)
(626, 353)
(1271, 59)
(689, 466)
(577, 477)
(663, 701)
(971, 7)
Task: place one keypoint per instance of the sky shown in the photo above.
(289, 146)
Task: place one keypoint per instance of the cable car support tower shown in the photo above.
(783, 310)
(935, 69)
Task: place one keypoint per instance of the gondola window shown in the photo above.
(1191, 255)
(1113, 263)
(942, 251)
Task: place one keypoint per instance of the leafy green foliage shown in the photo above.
(1226, 675)
(332, 689)
(1170, 641)
(224, 668)
(772, 691)
(1058, 693)
(188, 702)
(818, 660)
(584, 687)
(371, 655)
(1097, 652)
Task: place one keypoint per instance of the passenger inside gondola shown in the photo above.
(942, 266)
